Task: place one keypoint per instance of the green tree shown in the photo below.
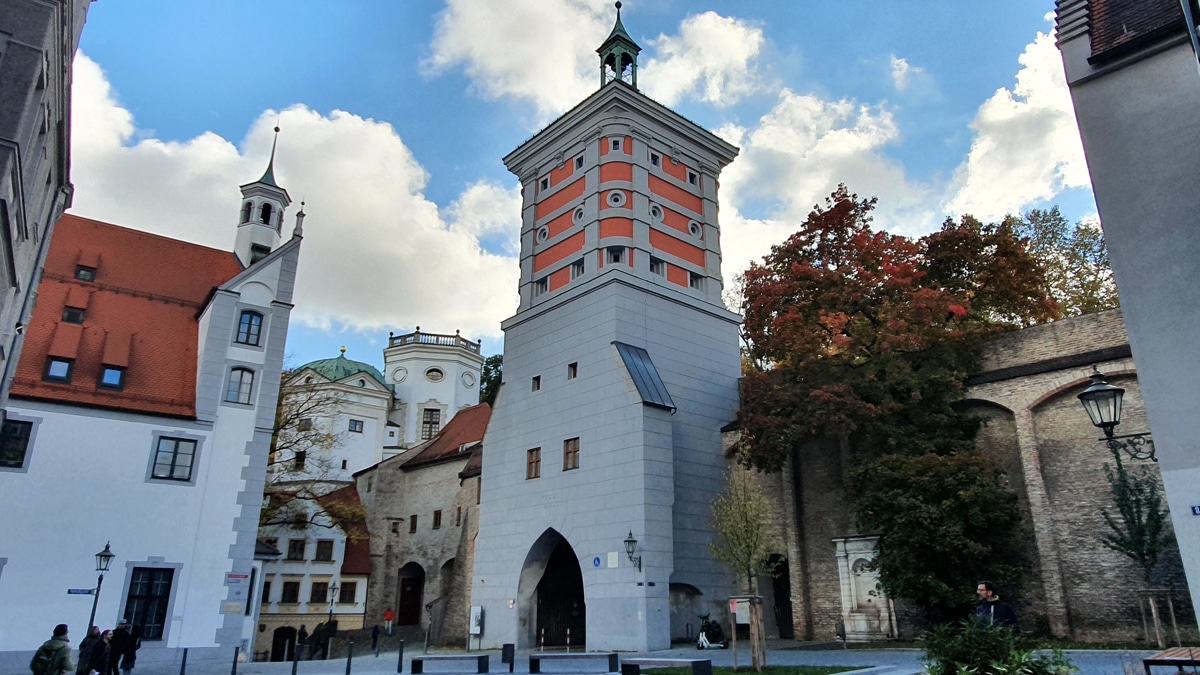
(490, 378)
(1141, 529)
(741, 515)
(1078, 272)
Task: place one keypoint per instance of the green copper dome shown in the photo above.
(341, 367)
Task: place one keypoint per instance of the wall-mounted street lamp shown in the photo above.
(630, 547)
(103, 562)
(1102, 401)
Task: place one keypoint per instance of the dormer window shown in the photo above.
(249, 328)
(112, 377)
(85, 273)
(264, 214)
(73, 314)
(58, 369)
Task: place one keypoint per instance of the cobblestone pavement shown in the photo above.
(878, 661)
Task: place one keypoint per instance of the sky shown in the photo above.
(395, 115)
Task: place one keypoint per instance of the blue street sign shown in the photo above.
(81, 591)
(596, 561)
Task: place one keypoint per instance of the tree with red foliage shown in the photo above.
(865, 336)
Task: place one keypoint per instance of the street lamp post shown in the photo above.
(103, 560)
(333, 587)
(1102, 401)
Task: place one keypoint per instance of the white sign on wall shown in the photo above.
(476, 625)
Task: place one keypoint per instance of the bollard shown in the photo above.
(508, 654)
(236, 651)
(542, 641)
(183, 665)
(349, 655)
(568, 640)
(400, 659)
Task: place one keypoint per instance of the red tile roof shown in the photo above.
(345, 504)
(456, 439)
(141, 313)
(1120, 23)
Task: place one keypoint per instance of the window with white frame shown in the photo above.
(241, 382)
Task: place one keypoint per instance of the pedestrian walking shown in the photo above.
(129, 655)
(375, 638)
(99, 656)
(301, 641)
(388, 617)
(316, 641)
(117, 646)
(54, 656)
(85, 648)
(993, 611)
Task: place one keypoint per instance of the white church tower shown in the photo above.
(620, 367)
(263, 203)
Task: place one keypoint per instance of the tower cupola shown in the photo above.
(618, 55)
(261, 215)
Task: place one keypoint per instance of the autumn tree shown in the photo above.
(1078, 272)
(867, 338)
(300, 466)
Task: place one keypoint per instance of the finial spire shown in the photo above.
(298, 231)
(343, 350)
(618, 55)
(269, 176)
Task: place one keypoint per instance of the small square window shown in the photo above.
(174, 459)
(304, 424)
(73, 315)
(324, 550)
(437, 520)
(412, 525)
(299, 459)
(655, 159)
(658, 267)
(258, 252)
(572, 370)
(616, 144)
(541, 286)
(533, 463)
(579, 162)
(291, 591)
(576, 269)
(58, 369)
(345, 463)
(695, 281)
(537, 382)
(85, 273)
(356, 426)
(693, 178)
(319, 593)
(112, 377)
(395, 527)
(544, 184)
(348, 592)
(616, 255)
(570, 454)
(296, 549)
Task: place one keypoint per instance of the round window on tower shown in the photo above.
(434, 375)
(399, 374)
(616, 198)
(543, 234)
(578, 216)
(656, 213)
(694, 228)
(468, 380)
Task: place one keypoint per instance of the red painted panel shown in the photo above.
(559, 174)
(677, 195)
(679, 170)
(562, 249)
(677, 221)
(616, 171)
(560, 198)
(564, 221)
(677, 275)
(560, 278)
(628, 145)
(616, 227)
(661, 241)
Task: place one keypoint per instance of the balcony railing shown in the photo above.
(417, 337)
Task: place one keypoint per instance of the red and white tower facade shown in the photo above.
(620, 367)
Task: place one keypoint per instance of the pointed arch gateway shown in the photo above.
(550, 597)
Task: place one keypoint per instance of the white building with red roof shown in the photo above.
(141, 416)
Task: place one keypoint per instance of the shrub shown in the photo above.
(970, 646)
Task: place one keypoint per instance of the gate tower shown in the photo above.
(620, 366)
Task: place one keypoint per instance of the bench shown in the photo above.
(535, 660)
(1175, 656)
(418, 662)
(634, 666)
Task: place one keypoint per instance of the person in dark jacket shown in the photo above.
(129, 656)
(120, 642)
(54, 656)
(993, 611)
(85, 647)
(301, 641)
(100, 654)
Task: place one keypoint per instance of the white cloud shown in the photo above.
(1026, 145)
(377, 253)
(902, 72)
(711, 59)
(542, 52)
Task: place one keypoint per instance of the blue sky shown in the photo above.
(396, 115)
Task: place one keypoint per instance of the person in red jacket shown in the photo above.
(388, 617)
